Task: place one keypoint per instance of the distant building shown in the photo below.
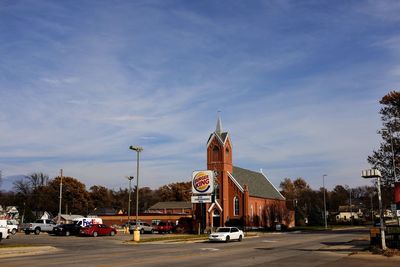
(348, 213)
(171, 207)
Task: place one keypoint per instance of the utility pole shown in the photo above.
(351, 209)
(59, 207)
(323, 184)
(129, 201)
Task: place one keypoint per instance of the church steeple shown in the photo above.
(218, 129)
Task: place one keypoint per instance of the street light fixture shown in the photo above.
(372, 173)
(59, 207)
(138, 149)
(323, 185)
(129, 201)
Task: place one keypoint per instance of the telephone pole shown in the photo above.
(59, 207)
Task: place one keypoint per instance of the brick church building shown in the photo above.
(241, 197)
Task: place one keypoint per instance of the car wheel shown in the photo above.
(37, 231)
(13, 231)
(227, 238)
(152, 231)
(240, 238)
(27, 232)
(141, 231)
(67, 233)
(112, 233)
(95, 234)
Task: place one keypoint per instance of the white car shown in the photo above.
(226, 234)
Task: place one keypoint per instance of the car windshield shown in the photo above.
(223, 230)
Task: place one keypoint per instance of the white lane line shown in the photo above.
(269, 241)
(209, 249)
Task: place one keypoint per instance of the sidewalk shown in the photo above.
(26, 251)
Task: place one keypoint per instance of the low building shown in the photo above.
(348, 213)
(171, 207)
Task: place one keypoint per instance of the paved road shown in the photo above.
(286, 249)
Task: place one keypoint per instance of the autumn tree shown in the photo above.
(306, 203)
(382, 159)
(175, 192)
(100, 196)
(75, 198)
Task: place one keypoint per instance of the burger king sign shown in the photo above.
(203, 182)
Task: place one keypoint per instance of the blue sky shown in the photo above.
(297, 84)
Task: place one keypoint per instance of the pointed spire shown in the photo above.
(218, 129)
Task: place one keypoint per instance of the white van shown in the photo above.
(4, 230)
(83, 222)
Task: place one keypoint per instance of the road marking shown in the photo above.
(209, 249)
(269, 241)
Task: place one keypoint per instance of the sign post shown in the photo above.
(372, 173)
(202, 188)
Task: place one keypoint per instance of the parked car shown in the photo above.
(143, 227)
(67, 229)
(226, 234)
(97, 229)
(164, 227)
(12, 226)
(41, 225)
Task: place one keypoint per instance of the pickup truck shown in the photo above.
(142, 226)
(164, 227)
(38, 226)
(4, 233)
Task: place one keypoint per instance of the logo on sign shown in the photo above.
(202, 182)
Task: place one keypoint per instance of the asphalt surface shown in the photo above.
(334, 248)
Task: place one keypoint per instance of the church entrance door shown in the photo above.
(216, 218)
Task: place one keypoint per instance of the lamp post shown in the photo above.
(138, 149)
(59, 207)
(323, 185)
(129, 201)
(372, 173)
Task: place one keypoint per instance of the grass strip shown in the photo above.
(175, 238)
(17, 245)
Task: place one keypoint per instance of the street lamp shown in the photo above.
(372, 173)
(59, 207)
(138, 149)
(323, 185)
(129, 201)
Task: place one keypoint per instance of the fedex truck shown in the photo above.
(83, 222)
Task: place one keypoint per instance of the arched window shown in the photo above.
(260, 213)
(215, 154)
(251, 213)
(236, 206)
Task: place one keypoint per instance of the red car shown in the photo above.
(98, 229)
(165, 227)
